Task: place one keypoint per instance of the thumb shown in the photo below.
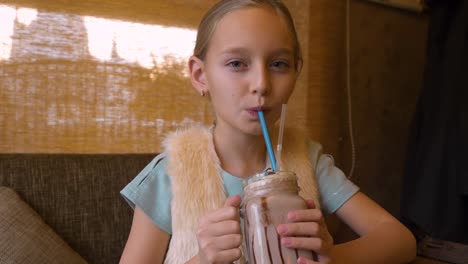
(310, 204)
(234, 201)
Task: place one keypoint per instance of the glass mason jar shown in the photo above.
(268, 197)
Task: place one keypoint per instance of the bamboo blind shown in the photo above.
(58, 95)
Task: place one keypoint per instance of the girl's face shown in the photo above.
(249, 66)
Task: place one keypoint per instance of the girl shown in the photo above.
(247, 58)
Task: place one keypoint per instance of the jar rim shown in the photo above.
(268, 174)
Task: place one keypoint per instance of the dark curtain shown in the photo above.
(435, 184)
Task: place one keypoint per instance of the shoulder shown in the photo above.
(315, 152)
(153, 174)
(150, 191)
(334, 187)
(157, 166)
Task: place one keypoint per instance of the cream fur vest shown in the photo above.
(197, 185)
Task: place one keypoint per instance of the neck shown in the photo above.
(240, 154)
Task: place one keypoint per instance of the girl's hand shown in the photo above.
(219, 234)
(307, 230)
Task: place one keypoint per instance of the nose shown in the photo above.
(260, 84)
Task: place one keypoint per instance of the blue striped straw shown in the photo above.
(266, 136)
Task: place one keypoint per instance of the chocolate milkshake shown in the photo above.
(267, 201)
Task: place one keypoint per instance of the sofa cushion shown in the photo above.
(25, 238)
(78, 196)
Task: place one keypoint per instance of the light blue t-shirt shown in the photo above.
(151, 188)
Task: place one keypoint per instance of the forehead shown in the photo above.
(254, 28)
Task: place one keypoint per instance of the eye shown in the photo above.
(236, 65)
(280, 65)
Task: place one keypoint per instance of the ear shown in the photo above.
(197, 74)
(299, 65)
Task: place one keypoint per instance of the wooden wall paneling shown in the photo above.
(387, 63)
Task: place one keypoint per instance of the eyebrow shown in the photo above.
(231, 51)
(243, 51)
(283, 51)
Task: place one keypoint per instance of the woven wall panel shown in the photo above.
(58, 95)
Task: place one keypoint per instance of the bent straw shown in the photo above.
(279, 146)
(266, 136)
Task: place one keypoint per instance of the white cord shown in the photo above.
(348, 86)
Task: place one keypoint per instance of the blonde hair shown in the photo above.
(218, 11)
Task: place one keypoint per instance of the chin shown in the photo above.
(253, 130)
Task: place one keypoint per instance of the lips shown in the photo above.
(253, 111)
(256, 109)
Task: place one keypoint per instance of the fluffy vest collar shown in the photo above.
(197, 185)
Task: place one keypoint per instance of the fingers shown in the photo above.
(233, 201)
(220, 215)
(299, 229)
(219, 235)
(309, 243)
(230, 255)
(305, 215)
(301, 235)
(229, 211)
(221, 243)
(219, 228)
(310, 204)
(225, 256)
(302, 260)
(306, 230)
